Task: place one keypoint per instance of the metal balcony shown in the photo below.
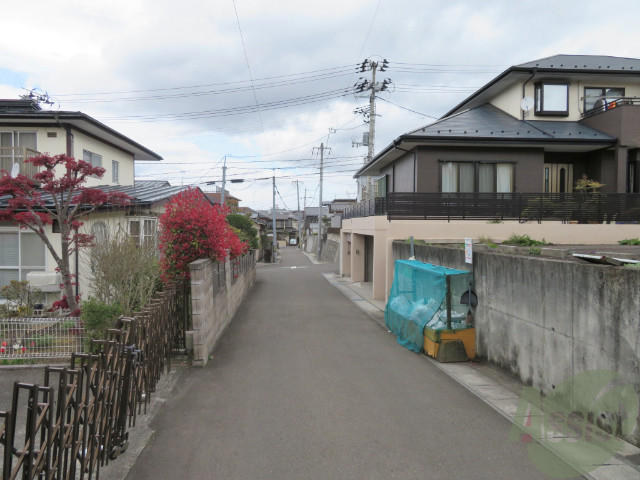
(9, 156)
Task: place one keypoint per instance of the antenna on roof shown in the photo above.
(38, 96)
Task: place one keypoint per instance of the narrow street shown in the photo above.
(304, 385)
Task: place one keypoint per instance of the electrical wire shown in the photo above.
(407, 109)
(224, 112)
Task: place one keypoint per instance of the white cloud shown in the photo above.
(441, 50)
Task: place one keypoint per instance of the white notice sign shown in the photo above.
(468, 250)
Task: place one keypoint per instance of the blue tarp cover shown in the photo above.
(418, 298)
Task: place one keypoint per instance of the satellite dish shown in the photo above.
(526, 104)
(15, 170)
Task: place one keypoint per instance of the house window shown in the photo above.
(552, 99)
(471, 177)
(381, 186)
(597, 97)
(20, 253)
(93, 158)
(15, 146)
(143, 230)
(115, 171)
(100, 232)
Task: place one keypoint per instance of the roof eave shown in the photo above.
(479, 141)
(59, 118)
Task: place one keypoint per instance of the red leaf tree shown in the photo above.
(191, 229)
(56, 193)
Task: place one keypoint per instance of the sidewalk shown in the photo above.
(496, 387)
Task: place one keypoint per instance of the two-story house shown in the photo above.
(26, 131)
(511, 152)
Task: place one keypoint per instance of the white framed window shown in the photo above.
(143, 230)
(15, 147)
(93, 158)
(471, 177)
(100, 232)
(115, 175)
(552, 99)
(21, 252)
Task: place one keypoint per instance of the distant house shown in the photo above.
(286, 224)
(229, 200)
(512, 152)
(311, 219)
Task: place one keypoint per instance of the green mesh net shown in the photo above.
(418, 299)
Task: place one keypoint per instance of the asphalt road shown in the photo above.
(304, 385)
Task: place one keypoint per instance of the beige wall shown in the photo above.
(125, 171)
(385, 232)
(58, 144)
(509, 99)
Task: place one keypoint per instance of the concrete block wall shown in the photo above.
(331, 251)
(546, 320)
(213, 311)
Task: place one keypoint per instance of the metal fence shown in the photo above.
(77, 419)
(567, 207)
(29, 338)
(577, 207)
(368, 208)
(219, 277)
(241, 264)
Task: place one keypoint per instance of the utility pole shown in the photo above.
(370, 113)
(275, 236)
(322, 149)
(224, 179)
(297, 182)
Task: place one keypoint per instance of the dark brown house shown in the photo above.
(537, 127)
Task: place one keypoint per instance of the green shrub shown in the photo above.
(97, 318)
(629, 241)
(535, 251)
(123, 272)
(247, 232)
(42, 341)
(524, 241)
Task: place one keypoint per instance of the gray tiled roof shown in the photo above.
(487, 122)
(143, 193)
(584, 62)
(147, 191)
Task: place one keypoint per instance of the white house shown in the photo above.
(26, 131)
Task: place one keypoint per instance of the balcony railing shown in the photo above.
(368, 208)
(606, 104)
(566, 207)
(10, 156)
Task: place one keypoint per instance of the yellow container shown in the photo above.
(432, 339)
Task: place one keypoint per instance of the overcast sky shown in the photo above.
(265, 82)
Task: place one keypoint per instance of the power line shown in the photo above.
(224, 112)
(255, 96)
(408, 109)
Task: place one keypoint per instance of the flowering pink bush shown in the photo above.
(192, 228)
